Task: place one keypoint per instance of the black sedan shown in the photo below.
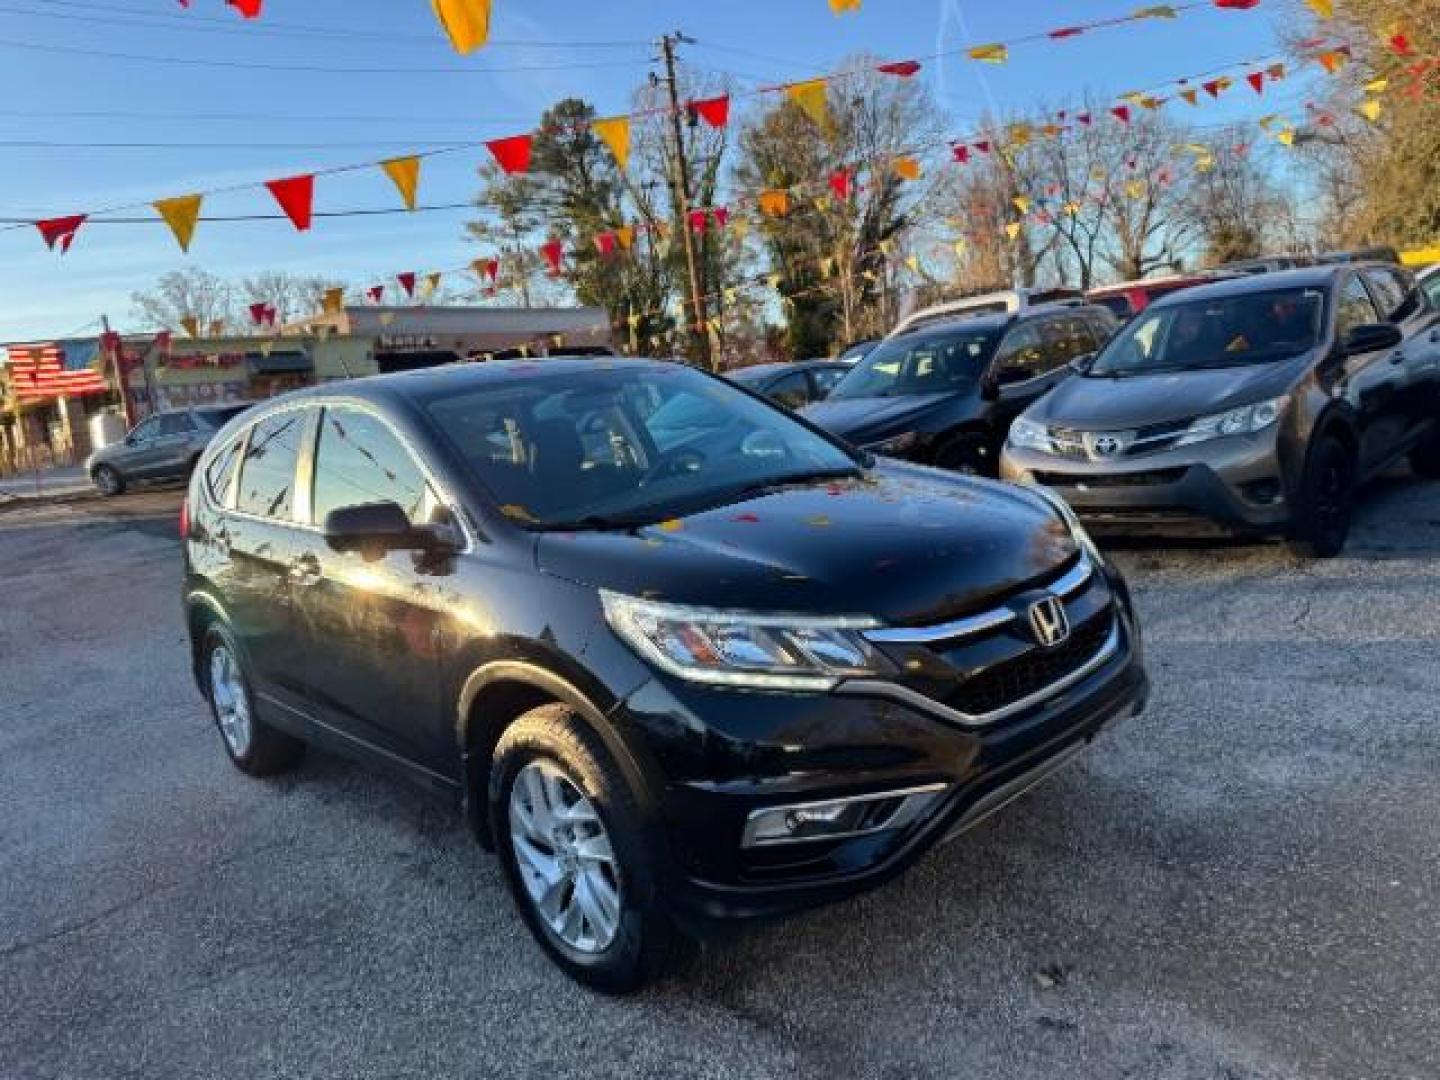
(793, 385)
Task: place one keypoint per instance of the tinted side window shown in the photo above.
(176, 424)
(791, 390)
(1431, 285)
(1356, 308)
(1064, 339)
(1103, 329)
(267, 472)
(1391, 289)
(146, 430)
(826, 378)
(221, 470)
(360, 460)
(1021, 355)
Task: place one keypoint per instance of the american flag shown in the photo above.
(40, 372)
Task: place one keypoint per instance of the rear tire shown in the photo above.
(1425, 458)
(108, 481)
(252, 745)
(967, 454)
(570, 838)
(1327, 499)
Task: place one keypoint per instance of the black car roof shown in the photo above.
(997, 320)
(759, 371)
(1303, 277)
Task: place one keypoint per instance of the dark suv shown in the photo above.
(673, 687)
(1256, 404)
(944, 394)
(164, 446)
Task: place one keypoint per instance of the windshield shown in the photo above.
(933, 362)
(638, 444)
(1251, 328)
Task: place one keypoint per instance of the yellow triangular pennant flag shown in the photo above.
(1012, 229)
(1159, 11)
(887, 246)
(1072, 208)
(191, 325)
(1370, 109)
(1376, 86)
(1287, 137)
(839, 7)
(615, 133)
(1324, 8)
(1018, 134)
(810, 96)
(822, 203)
(466, 21)
(990, 54)
(1021, 203)
(1135, 188)
(913, 262)
(773, 280)
(907, 168)
(334, 301)
(432, 282)
(405, 172)
(180, 213)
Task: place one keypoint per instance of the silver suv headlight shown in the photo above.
(734, 648)
(1028, 435)
(1242, 421)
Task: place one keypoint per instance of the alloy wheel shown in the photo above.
(232, 706)
(106, 480)
(565, 858)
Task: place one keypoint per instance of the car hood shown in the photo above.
(1100, 404)
(865, 420)
(904, 544)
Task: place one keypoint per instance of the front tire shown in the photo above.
(252, 745)
(108, 480)
(1327, 501)
(570, 838)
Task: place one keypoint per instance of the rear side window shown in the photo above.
(1391, 289)
(1356, 307)
(267, 473)
(176, 424)
(791, 390)
(826, 378)
(221, 471)
(360, 460)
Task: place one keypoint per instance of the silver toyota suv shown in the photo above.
(161, 447)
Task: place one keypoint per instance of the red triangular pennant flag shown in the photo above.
(840, 182)
(61, 230)
(961, 152)
(271, 314)
(983, 146)
(492, 269)
(376, 293)
(697, 220)
(1401, 44)
(605, 243)
(1121, 113)
(513, 153)
(407, 282)
(722, 216)
(249, 8)
(1237, 5)
(552, 252)
(1212, 87)
(1256, 79)
(902, 68)
(1083, 117)
(1067, 32)
(714, 111)
(296, 196)
(257, 313)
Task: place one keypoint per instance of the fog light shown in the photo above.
(838, 819)
(1263, 492)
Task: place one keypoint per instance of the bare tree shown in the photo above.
(185, 294)
(1238, 208)
(293, 296)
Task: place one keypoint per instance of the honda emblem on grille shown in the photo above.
(1048, 621)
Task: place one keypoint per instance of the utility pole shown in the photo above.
(118, 359)
(681, 182)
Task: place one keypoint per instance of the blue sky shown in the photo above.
(336, 118)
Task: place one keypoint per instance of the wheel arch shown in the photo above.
(498, 693)
(202, 610)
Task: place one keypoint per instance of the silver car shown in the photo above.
(161, 447)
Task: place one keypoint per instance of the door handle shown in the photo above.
(305, 568)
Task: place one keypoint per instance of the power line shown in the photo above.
(213, 24)
(379, 211)
(250, 65)
(270, 118)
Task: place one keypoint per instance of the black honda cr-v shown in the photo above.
(685, 659)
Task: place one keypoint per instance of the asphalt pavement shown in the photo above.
(1242, 883)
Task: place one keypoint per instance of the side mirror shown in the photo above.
(1371, 337)
(1082, 363)
(376, 527)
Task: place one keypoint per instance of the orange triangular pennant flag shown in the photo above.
(626, 236)
(180, 213)
(467, 22)
(907, 168)
(405, 172)
(615, 133)
(774, 203)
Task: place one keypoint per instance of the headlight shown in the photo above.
(1028, 435)
(1077, 531)
(898, 445)
(1242, 421)
(731, 648)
